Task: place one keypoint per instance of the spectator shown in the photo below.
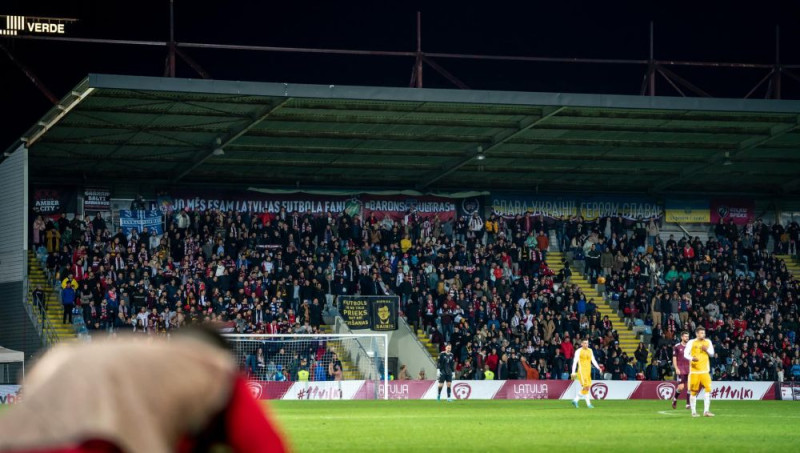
(488, 374)
(40, 301)
(403, 375)
(71, 282)
(68, 302)
(641, 357)
(39, 227)
(651, 372)
(795, 370)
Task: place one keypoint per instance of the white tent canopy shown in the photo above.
(11, 356)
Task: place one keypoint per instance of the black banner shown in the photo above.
(49, 201)
(469, 206)
(369, 312)
(96, 199)
(355, 311)
(384, 312)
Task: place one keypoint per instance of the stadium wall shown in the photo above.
(16, 330)
(14, 221)
(403, 345)
(487, 390)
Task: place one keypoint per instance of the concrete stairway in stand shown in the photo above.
(791, 265)
(37, 277)
(431, 347)
(349, 369)
(627, 339)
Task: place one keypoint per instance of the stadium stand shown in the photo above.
(494, 289)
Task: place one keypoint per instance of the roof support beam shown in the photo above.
(717, 158)
(228, 139)
(530, 123)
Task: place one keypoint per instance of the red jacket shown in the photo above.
(491, 361)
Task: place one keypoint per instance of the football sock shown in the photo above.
(693, 403)
(448, 392)
(707, 402)
(677, 395)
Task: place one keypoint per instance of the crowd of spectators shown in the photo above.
(731, 284)
(485, 286)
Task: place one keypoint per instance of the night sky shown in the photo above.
(684, 31)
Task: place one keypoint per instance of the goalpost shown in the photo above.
(341, 358)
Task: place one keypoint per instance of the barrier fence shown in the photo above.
(498, 390)
(487, 390)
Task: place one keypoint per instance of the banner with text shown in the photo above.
(96, 199)
(384, 312)
(394, 206)
(369, 312)
(9, 394)
(355, 311)
(487, 390)
(589, 207)
(153, 220)
(323, 390)
(740, 211)
(48, 201)
(687, 211)
(469, 390)
(790, 391)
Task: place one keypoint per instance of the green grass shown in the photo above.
(506, 425)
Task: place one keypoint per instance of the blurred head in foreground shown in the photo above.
(129, 395)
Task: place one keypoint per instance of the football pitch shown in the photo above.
(506, 425)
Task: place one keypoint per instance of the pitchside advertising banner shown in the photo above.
(487, 390)
(790, 391)
(589, 207)
(9, 394)
(369, 312)
(394, 206)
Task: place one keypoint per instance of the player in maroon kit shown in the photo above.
(681, 366)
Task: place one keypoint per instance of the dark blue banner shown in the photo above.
(590, 207)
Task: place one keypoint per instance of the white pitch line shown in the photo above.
(734, 415)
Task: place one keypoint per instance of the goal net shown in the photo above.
(329, 366)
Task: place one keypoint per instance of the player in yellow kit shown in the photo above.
(699, 351)
(583, 361)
